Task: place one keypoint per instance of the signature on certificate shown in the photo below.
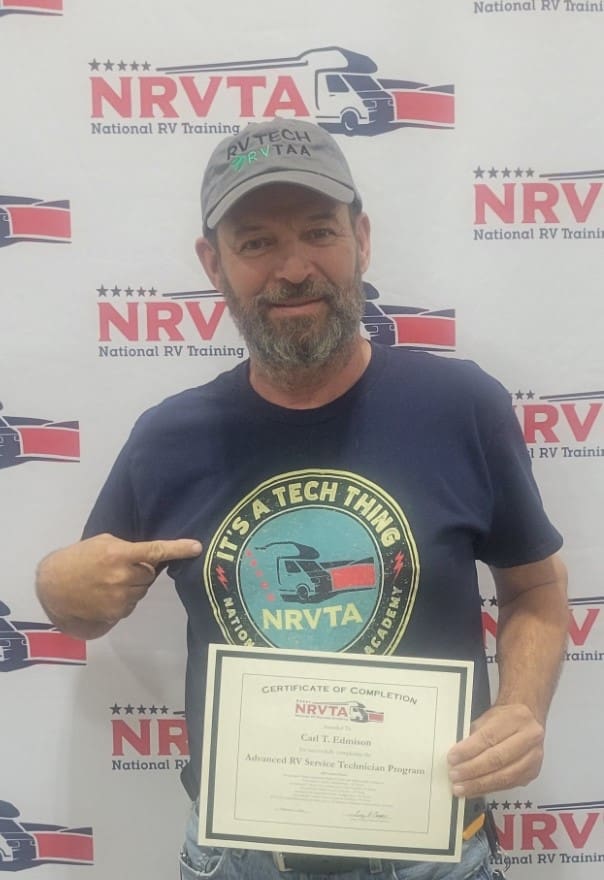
(368, 814)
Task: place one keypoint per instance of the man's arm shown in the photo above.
(86, 588)
(505, 746)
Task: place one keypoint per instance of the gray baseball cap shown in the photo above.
(278, 151)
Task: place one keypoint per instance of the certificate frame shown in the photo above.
(283, 768)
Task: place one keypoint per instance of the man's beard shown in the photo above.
(308, 342)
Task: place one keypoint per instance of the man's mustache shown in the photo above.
(303, 292)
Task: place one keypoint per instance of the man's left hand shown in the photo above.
(504, 749)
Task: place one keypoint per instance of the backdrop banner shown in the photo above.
(474, 131)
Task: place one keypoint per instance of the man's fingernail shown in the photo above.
(458, 790)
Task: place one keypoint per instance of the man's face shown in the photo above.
(289, 262)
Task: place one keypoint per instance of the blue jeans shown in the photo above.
(246, 864)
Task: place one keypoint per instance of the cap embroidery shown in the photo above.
(247, 158)
(251, 156)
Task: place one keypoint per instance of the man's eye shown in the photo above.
(254, 244)
(320, 233)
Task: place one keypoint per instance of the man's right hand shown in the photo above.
(88, 587)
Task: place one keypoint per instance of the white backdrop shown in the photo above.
(493, 218)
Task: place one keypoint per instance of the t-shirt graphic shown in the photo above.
(314, 560)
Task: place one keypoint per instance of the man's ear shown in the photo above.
(208, 257)
(363, 236)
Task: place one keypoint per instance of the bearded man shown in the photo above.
(326, 447)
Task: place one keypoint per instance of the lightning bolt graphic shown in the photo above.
(399, 561)
(222, 576)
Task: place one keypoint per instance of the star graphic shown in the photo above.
(116, 290)
(142, 710)
(164, 710)
(529, 172)
(492, 172)
(134, 66)
(94, 64)
(102, 290)
(479, 172)
(528, 805)
(146, 66)
(122, 65)
(518, 172)
(505, 805)
(506, 172)
(153, 710)
(129, 710)
(519, 395)
(152, 291)
(129, 291)
(493, 602)
(530, 395)
(517, 805)
(108, 65)
(493, 805)
(141, 291)
(482, 601)
(115, 709)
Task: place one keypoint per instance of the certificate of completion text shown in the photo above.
(332, 753)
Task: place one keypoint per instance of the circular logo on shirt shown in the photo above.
(314, 560)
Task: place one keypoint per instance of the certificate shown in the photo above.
(332, 754)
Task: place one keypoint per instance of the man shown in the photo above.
(327, 448)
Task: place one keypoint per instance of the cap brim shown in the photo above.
(318, 182)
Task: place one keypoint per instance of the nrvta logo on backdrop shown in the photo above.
(565, 427)
(25, 845)
(520, 204)
(148, 738)
(25, 219)
(23, 644)
(31, 7)
(548, 834)
(184, 323)
(338, 88)
(23, 438)
(407, 326)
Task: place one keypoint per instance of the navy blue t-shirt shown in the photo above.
(351, 527)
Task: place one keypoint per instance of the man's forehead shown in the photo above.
(286, 199)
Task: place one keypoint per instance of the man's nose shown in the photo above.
(292, 264)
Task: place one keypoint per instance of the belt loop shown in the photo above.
(375, 866)
(280, 862)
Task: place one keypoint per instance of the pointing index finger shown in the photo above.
(153, 553)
